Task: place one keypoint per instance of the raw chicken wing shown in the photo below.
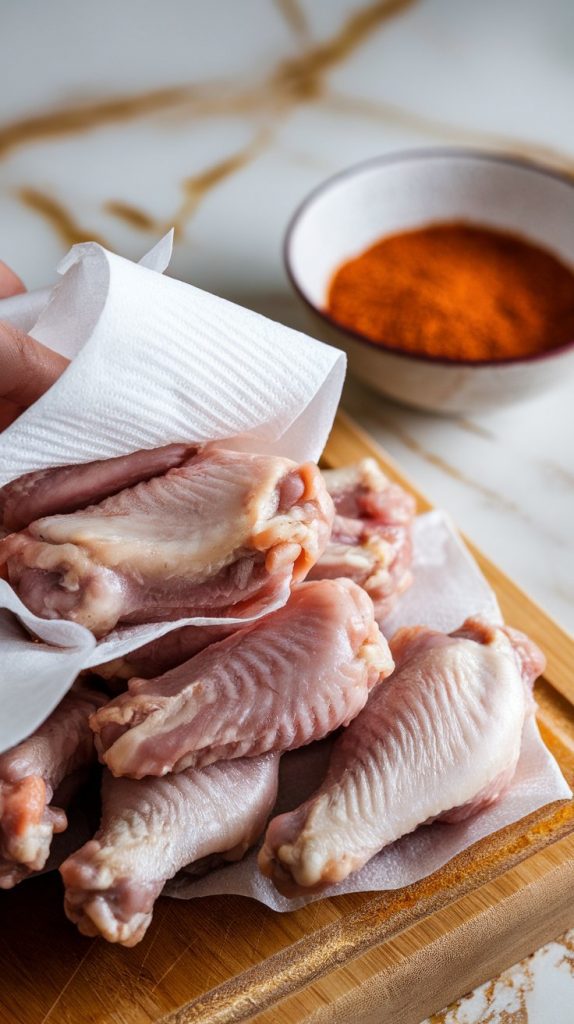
(222, 535)
(152, 828)
(439, 739)
(362, 491)
(371, 539)
(169, 650)
(29, 775)
(69, 488)
(277, 684)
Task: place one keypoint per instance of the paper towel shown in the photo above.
(154, 361)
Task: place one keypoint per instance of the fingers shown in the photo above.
(10, 283)
(27, 368)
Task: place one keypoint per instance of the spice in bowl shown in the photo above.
(458, 291)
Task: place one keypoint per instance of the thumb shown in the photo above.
(27, 368)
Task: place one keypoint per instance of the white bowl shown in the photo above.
(353, 210)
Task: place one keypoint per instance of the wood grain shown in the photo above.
(408, 977)
(387, 957)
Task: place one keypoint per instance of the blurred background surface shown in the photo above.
(120, 119)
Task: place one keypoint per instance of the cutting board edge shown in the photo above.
(475, 946)
(496, 909)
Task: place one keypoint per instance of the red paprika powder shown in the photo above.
(457, 290)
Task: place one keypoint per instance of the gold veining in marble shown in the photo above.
(57, 216)
(303, 158)
(198, 185)
(453, 1008)
(446, 467)
(300, 84)
(132, 215)
(505, 999)
(295, 80)
(548, 466)
(567, 958)
(300, 79)
(557, 472)
(85, 117)
(379, 917)
(443, 131)
(493, 497)
(477, 429)
(195, 188)
(439, 462)
(295, 16)
(501, 1001)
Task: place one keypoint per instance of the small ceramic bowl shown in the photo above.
(353, 210)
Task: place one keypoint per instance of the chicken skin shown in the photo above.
(30, 773)
(371, 539)
(62, 489)
(222, 535)
(152, 828)
(164, 653)
(440, 739)
(277, 684)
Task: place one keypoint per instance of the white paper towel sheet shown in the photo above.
(154, 361)
(448, 587)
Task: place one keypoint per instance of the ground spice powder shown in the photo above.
(457, 290)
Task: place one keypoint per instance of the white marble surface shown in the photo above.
(538, 990)
(222, 116)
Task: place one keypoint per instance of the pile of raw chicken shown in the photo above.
(190, 728)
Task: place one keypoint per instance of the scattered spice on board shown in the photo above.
(457, 290)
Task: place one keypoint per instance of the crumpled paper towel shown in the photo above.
(448, 587)
(154, 361)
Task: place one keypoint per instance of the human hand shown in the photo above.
(27, 368)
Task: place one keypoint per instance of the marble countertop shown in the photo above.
(121, 119)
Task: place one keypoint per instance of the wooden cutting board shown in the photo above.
(388, 958)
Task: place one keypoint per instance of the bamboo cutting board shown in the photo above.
(385, 958)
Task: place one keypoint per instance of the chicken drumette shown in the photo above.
(440, 739)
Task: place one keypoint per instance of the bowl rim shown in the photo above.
(414, 155)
